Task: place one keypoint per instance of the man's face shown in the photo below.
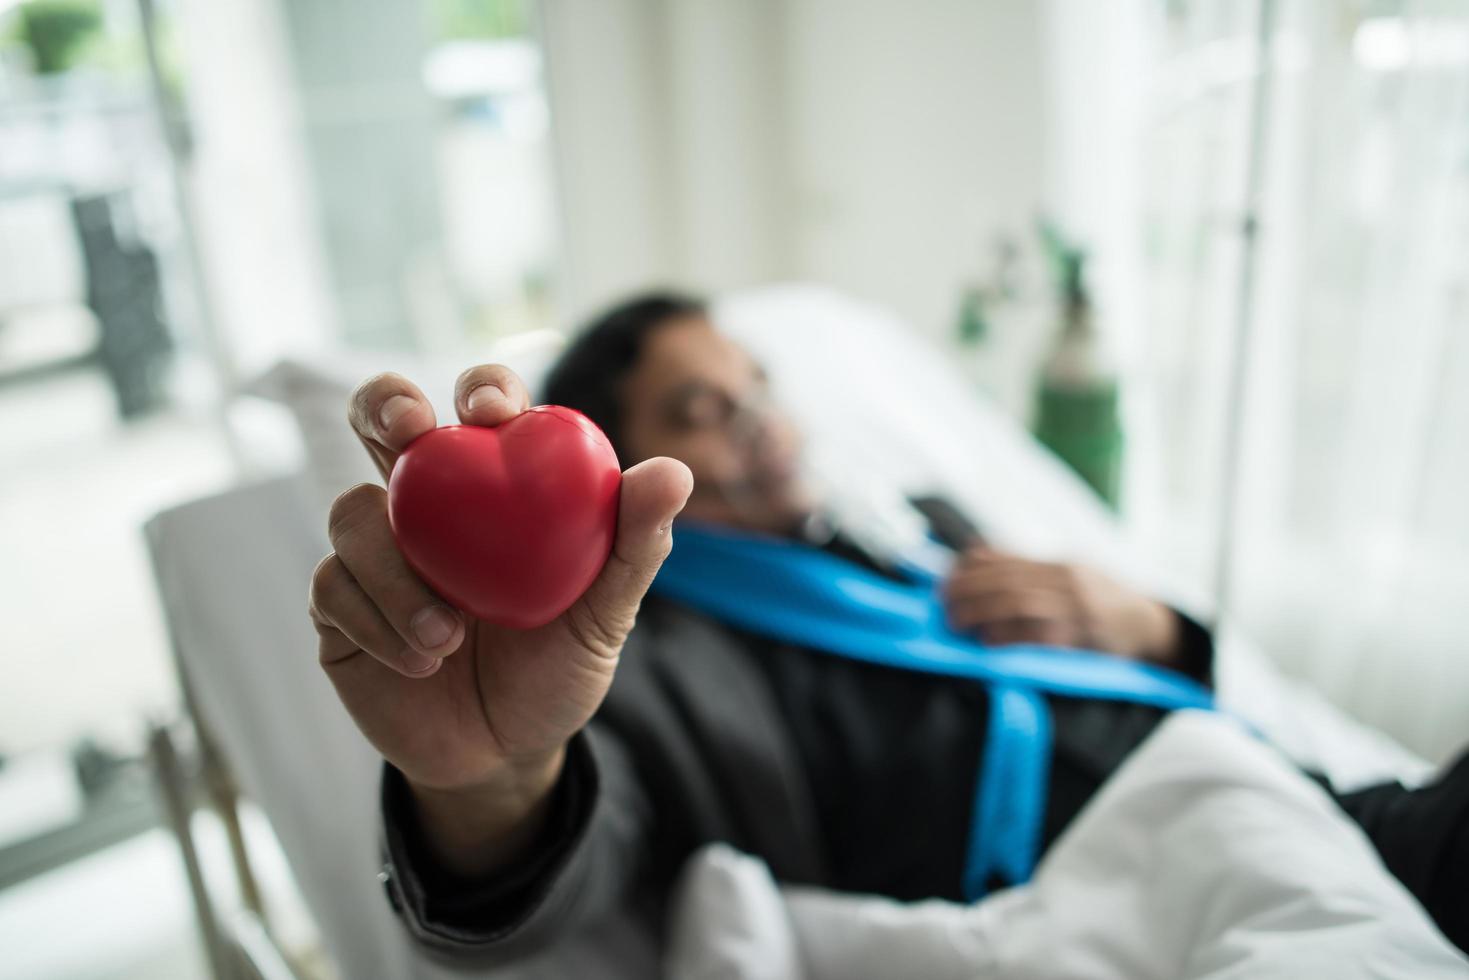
(697, 396)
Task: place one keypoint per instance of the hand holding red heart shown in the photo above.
(476, 715)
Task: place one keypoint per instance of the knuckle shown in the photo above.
(324, 577)
(325, 631)
(369, 393)
(376, 386)
(496, 374)
(594, 629)
(353, 507)
(656, 553)
(640, 562)
(482, 372)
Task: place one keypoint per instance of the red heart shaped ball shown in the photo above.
(510, 524)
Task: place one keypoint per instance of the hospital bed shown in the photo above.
(885, 416)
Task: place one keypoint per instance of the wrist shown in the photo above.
(1161, 634)
(474, 829)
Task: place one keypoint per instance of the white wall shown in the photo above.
(604, 71)
(728, 89)
(872, 145)
(916, 136)
(1094, 71)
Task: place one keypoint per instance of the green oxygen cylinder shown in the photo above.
(1078, 405)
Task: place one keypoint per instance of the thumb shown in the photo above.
(653, 493)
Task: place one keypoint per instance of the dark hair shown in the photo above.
(588, 375)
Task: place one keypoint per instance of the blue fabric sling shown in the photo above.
(802, 595)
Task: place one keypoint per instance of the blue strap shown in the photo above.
(807, 597)
(1010, 795)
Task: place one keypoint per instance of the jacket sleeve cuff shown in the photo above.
(1195, 657)
(438, 904)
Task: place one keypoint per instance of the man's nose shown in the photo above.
(753, 418)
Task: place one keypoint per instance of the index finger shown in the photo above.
(388, 412)
(1006, 575)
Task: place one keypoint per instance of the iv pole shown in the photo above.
(1227, 554)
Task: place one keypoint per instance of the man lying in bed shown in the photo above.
(528, 791)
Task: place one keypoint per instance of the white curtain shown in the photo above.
(1350, 554)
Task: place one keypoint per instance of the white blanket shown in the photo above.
(1206, 856)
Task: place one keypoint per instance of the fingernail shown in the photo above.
(483, 396)
(433, 627)
(394, 409)
(418, 663)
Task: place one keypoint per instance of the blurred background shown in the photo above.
(1211, 253)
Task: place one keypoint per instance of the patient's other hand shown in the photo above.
(475, 716)
(1007, 599)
